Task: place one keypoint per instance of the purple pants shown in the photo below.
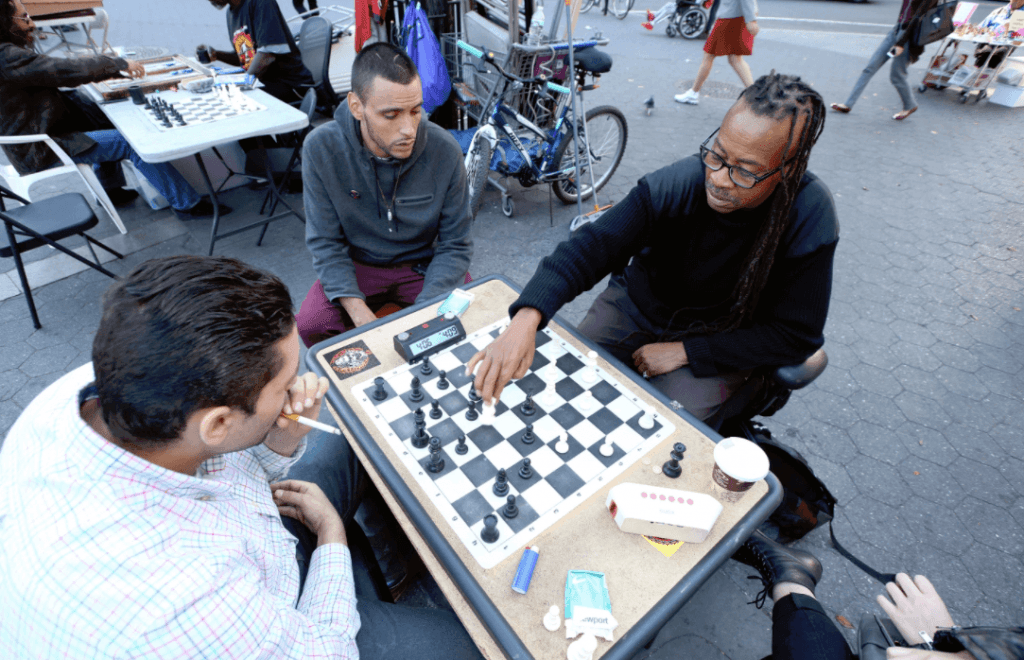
(319, 318)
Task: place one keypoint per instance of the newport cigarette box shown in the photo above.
(663, 512)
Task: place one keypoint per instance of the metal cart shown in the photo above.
(953, 66)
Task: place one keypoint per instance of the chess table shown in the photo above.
(565, 515)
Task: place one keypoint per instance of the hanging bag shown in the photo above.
(420, 43)
(936, 24)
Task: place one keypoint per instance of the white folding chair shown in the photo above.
(102, 22)
(21, 184)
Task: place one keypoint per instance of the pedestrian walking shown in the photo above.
(300, 5)
(896, 46)
(733, 36)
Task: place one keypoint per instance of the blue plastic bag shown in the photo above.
(421, 45)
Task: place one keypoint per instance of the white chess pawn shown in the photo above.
(583, 648)
(551, 620)
(647, 421)
(590, 375)
(587, 401)
(562, 446)
(607, 449)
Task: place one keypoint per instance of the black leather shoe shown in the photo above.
(120, 197)
(776, 563)
(201, 210)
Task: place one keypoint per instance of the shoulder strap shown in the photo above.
(884, 578)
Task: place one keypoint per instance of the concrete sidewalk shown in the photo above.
(915, 425)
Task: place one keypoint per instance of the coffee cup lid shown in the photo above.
(741, 459)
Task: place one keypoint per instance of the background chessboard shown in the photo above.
(463, 490)
(204, 109)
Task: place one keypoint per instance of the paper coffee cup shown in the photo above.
(739, 464)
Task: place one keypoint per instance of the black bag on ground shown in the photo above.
(806, 501)
(936, 24)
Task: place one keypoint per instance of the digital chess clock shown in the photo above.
(429, 337)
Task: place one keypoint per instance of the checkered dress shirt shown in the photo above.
(106, 555)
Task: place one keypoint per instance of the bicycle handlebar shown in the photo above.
(472, 50)
(558, 88)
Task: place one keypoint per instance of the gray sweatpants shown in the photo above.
(615, 323)
(897, 74)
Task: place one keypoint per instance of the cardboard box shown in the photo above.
(39, 8)
(1007, 95)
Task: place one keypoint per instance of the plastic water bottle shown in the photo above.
(536, 34)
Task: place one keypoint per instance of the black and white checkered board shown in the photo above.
(463, 490)
(204, 109)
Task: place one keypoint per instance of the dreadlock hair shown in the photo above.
(784, 98)
(9, 33)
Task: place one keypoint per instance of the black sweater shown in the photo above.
(686, 259)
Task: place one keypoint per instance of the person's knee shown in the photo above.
(735, 60)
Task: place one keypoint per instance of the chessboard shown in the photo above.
(557, 436)
(222, 103)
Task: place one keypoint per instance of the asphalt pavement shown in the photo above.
(915, 425)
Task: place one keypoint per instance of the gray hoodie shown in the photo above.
(347, 195)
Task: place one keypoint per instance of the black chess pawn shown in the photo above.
(501, 483)
(510, 510)
(526, 472)
(442, 381)
(473, 394)
(528, 437)
(418, 416)
(471, 413)
(436, 463)
(149, 104)
(489, 534)
(461, 448)
(435, 409)
(425, 368)
(417, 393)
(528, 408)
(379, 393)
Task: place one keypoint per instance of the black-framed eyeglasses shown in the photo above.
(24, 17)
(741, 177)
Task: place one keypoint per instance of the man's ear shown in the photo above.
(355, 106)
(215, 426)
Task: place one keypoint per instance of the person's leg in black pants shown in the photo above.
(386, 630)
(802, 631)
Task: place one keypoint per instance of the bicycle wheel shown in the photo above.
(606, 134)
(478, 164)
(691, 24)
(620, 8)
(585, 7)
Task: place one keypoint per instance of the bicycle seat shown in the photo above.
(593, 60)
(796, 376)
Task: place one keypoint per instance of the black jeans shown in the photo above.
(802, 631)
(387, 630)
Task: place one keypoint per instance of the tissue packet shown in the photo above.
(587, 606)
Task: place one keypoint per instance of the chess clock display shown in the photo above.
(430, 337)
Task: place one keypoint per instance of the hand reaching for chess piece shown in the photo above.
(507, 357)
(135, 70)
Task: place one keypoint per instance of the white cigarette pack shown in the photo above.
(663, 512)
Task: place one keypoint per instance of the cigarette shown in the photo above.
(313, 423)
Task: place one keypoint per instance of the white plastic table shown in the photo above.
(156, 146)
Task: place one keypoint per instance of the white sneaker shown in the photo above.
(691, 97)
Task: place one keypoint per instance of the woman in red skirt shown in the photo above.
(733, 36)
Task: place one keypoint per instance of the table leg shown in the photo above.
(213, 200)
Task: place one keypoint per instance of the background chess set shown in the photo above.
(224, 102)
(463, 490)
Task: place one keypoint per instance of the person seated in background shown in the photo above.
(721, 263)
(32, 103)
(141, 495)
(264, 47)
(387, 209)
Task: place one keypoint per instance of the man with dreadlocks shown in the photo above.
(720, 263)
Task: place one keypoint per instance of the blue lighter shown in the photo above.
(524, 573)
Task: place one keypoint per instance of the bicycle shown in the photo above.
(620, 8)
(549, 158)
